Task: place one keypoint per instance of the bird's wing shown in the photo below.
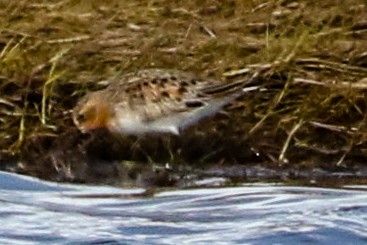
(195, 112)
(173, 96)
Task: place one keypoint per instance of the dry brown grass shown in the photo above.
(311, 54)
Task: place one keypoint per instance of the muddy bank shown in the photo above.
(311, 57)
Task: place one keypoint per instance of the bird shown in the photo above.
(155, 101)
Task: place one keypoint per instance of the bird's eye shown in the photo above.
(81, 117)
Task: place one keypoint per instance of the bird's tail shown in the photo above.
(240, 86)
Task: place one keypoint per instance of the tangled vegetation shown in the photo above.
(311, 57)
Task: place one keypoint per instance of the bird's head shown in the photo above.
(92, 112)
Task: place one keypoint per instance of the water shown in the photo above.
(36, 212)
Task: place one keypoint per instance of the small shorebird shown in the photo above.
(155, 101)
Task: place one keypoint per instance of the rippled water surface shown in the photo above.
(36, 212)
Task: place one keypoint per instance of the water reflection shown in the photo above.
(40, 212)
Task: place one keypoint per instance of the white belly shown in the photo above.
(134, 126)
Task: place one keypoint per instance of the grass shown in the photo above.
(311, 57)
